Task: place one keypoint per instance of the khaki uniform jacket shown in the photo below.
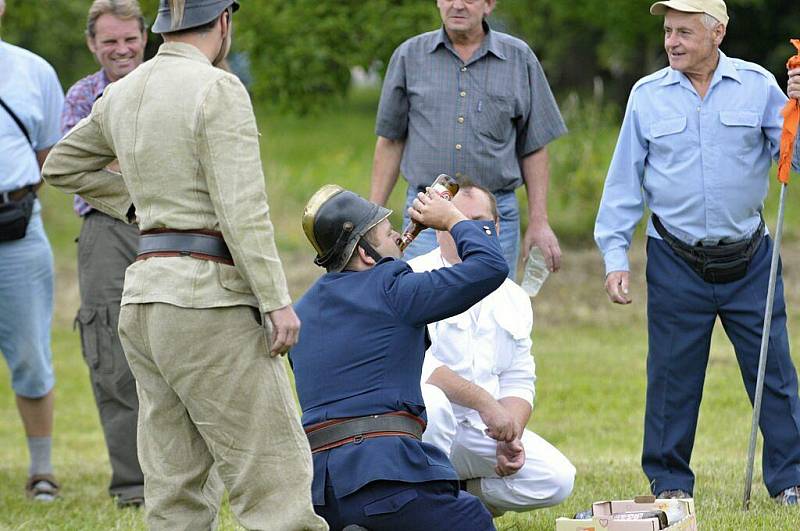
(185, 136)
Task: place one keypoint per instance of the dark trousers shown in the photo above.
(106, 247)
(394, 505)
(682, 309)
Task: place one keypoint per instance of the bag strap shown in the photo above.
(17, 121)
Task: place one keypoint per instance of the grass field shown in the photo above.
(590, 356)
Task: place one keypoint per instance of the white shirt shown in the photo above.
(489, 344)
(30, 87)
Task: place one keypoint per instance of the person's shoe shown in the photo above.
(672, 494)
(132, 502)
(790, 496)
(42, 487)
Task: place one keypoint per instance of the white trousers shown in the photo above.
(546, 478)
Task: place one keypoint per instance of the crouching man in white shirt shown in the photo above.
(478, 385)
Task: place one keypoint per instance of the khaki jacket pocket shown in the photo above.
(230, 279)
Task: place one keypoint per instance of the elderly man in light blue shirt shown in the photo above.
(696, 146)
(30, 107)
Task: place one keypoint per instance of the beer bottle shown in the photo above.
(445, 186)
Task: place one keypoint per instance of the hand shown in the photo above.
(510, 457)
(617, 287)
(540, 234)
(793, 87)
(285, 330)
(114, 166)
(500, 424)
(434, 211)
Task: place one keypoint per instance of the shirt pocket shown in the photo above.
(669, 140)
(740, 129)
(494, 117)
(669, 126)
(231, 280)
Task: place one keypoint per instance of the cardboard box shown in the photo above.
(606, 523)
(682, 509)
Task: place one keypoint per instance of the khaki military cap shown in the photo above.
(715, 8)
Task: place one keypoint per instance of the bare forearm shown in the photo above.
(519, 409)
(41, 155)
(460, 391)
(385, 168)
(536, 176)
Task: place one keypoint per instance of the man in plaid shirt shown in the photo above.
(116, 34)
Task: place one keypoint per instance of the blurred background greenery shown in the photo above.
(301, 54)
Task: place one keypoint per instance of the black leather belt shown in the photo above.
(338, 432)
(13, 196)
(200, 244)
(717, 264)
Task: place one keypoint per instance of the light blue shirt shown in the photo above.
(701, 165)
(30, 87)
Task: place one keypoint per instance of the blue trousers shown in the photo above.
(682, 309)
(395, 505)
(507, 207)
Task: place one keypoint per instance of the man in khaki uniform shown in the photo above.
(187, 144)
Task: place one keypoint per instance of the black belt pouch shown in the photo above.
(719, 264)
(15, 216)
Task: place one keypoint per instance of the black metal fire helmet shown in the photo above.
(335, 220)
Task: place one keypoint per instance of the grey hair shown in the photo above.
(709, 22)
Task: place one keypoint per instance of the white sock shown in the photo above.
(40, 449)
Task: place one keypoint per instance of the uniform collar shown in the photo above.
(181, 49)
(725, 68)
(489, 43)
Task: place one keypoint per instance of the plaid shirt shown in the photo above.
(78, 104)
(474, 118)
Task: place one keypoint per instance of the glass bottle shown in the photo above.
(445, 186)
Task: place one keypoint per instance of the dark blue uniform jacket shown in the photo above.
(362, 341)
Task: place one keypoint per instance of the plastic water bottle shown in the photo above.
(536, 272)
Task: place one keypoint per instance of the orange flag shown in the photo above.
(791, 117)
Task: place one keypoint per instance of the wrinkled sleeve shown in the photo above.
(230, 158)
(52, 104)
(543, 122)
(518, 380)
(76, 165)
(422, 298)
(622, 204)
(392, 119)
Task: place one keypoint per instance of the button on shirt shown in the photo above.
(78, 104)
(701, 165)
(30, 87)
(488, 345)
(476, 118)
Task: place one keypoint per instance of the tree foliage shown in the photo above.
(618, 42)
(301, 51)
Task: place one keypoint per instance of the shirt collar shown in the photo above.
(489, 43)
(181, 49)
(725, 68)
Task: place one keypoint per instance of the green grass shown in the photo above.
(590, 355)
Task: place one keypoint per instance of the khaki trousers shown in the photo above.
(209, 393)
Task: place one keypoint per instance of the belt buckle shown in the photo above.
(358, 439)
